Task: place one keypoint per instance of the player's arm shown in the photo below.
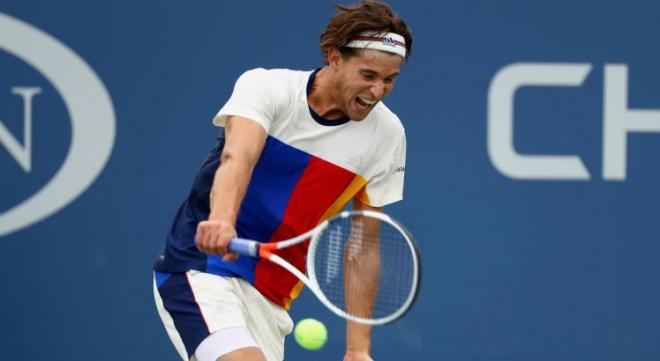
(244, 141)
(362, 267)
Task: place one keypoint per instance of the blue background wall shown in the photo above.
(515, 269)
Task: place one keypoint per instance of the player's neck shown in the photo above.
(321, 98)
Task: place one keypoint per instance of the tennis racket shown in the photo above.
(363, 265)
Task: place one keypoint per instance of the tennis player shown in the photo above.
(294, 148)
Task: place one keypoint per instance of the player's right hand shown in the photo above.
(213, 238)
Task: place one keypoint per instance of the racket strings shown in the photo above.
(364, 266)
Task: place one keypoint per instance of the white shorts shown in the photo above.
(195, 305)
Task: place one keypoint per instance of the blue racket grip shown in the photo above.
(244, 246)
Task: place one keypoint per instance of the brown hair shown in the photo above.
(369, 15)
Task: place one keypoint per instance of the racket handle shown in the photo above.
(245, 247)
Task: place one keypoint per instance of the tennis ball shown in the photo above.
(310, 334)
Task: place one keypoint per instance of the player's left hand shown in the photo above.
(352, 355)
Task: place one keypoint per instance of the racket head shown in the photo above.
(393, 273)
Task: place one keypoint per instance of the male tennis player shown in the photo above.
(294, 148)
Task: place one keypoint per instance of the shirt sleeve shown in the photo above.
(386, 187)
(255, 97)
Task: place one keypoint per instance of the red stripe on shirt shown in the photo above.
(317, 190)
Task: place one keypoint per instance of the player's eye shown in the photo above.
(368, 75)
(390, 80)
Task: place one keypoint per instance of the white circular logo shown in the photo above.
(90, 110)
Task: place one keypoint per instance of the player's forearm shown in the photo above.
(229, 186)
(362, 261)
(244, 142)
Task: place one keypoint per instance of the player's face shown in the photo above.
(364, 80)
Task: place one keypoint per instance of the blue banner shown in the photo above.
(531, 184)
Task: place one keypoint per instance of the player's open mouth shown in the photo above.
(364, 103)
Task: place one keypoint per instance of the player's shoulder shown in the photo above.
(386, 118)
(277, 76)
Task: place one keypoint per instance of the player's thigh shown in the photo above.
(268, 322)
(244, 354)
(224, 342)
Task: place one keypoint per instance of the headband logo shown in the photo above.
(389, 42)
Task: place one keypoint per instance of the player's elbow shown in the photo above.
(227, 156)
(237, 157)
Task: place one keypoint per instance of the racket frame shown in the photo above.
(265, 250)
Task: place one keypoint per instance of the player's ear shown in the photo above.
(334, 57)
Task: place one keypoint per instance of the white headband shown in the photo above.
(389, 42)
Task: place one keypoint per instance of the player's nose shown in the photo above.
(377, 90)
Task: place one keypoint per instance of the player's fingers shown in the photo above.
(212, 246)
(230, 257)
(225, 239)
(200, 237)
(212, 238)
(224, 245)
(205, 236)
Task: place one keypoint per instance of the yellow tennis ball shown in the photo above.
(310, 334)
